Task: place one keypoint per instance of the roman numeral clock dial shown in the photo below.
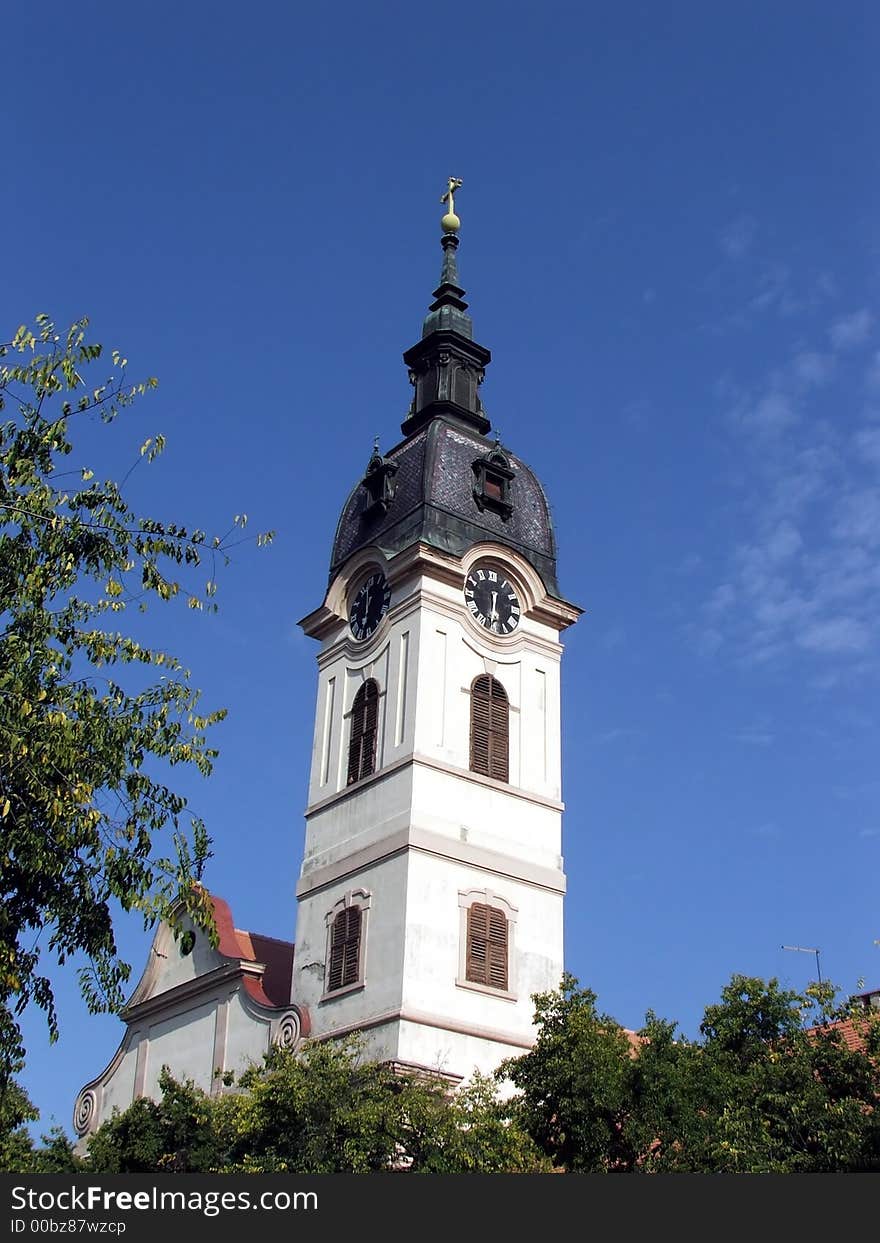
(492, 600)
(369, 606)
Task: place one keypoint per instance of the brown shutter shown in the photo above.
(364, 731)
(357, 732)
(477, 943)
(337, 953)
(498, 733)
(480, 721)
(486, 951)
(345, 947)
(489, 728)
(497, 949)
(371, 727)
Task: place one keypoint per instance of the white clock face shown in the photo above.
(369, 606)
(491, 599)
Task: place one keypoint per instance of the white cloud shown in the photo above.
(689, 564)
(805, 482)
(812, 369)
(808, 581)
(858, 517)
(783, 542)
(872, 375)
(614, 735)
(777, 292)
(803, 582)
(614, 637)
(851, 330)
(709, 639)
(867, 444)
(755, 737)
(838, 634)
(789, 607)
(768, 415)
(768, 829)
(736, 238)
(721, 599)
(843, 573)
(860, 789)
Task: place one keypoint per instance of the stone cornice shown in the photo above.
(421, 558)
(427, 761)
(426, 1019)
(428, 842)
(201, 986)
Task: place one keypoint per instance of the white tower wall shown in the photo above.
(422, 835)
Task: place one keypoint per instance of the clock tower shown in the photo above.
(431, 891)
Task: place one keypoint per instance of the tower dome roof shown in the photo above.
(449, 487)
(447, 484)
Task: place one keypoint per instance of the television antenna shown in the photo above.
(807, 949)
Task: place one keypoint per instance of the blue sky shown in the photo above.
(669, 243)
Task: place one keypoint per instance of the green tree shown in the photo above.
(779, 1088)
(574, 1084)
(772, 1086)
(468, 1131)
(180, 1134)
(84, 742)
(665, 1104)
(324, 1110)
(16, 1111)
(17, 1149)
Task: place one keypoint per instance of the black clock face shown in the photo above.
(491, 599)
(369, 606)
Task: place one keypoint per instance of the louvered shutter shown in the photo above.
(371, 725)
(345, 945)
(364, 729)
(486, 952)
(497, 949)
(477, 943)
(337, 956)
(489, 728)
(498, 731)
(480, 722)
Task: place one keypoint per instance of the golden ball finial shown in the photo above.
(450, 223)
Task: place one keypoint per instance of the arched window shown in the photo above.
(364, 729)
(487, 950)
(345, 949)
(489, 728)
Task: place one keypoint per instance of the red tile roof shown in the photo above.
(854, 1030)
(278, 959)
(273, 987)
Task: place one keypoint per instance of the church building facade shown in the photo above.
(430, 898)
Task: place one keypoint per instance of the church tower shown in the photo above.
(431, 891)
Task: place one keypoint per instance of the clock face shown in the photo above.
(369, 606)
(491, 599)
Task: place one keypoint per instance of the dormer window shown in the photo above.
(492, 483)
(379, 483)
(493, 487)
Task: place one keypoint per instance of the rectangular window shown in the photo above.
(486, 961)
(489, 728)
(493, 487)
(345, 945)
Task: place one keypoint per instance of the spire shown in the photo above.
(449, 310)
(447, 366)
